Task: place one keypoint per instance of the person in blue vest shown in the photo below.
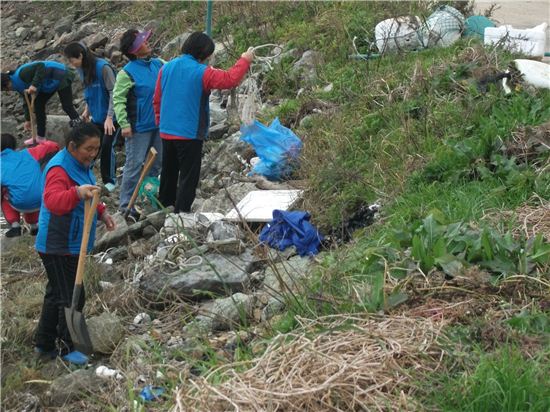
(21, 182)
(98, 77)
(43, 78)
(133, 102)
(68, 182)
(181, 105)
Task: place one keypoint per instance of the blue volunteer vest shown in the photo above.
(54, 73)
(95, 94)
(62, 235)
(184, 109)
(21, 175)
(140, 99)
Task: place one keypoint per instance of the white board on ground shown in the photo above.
(258, 205)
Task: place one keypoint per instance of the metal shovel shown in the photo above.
(75, 319)
(151, 156)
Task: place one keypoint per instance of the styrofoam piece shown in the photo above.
(535, 73)
(531, 42)
(258, 205)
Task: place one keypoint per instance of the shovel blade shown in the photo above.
(78, 330)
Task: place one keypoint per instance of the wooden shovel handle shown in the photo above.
(30, 105)
(89, 212)
(151, 156)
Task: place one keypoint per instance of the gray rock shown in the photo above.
(273, 307)
(214, 274)
(135, 230)
(284, 275)
(116, 237)
(149, 232)
(73, 386)
(221, 158)
(22, 32)
(96, 40)
(216, 132)
(220, 231)
(138, 249)
(57, 127)
(40, 44)
(106, 332)
(225, 314)
(157, 219)
(64, 25)
(306, 66)
(85, 30)
(116, 57)
(173, 47)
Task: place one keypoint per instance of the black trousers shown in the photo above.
(61, 272)
(66, 99)
(106, 154)
(180, 173)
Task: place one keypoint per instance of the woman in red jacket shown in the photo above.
(181, 104)
(69, 183)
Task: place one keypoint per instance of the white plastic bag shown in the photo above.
(398, 34)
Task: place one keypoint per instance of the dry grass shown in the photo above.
(531, 219)
(356, 363)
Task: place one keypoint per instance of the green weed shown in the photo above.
(502, 381)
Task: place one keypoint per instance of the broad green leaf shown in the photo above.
(450, 265)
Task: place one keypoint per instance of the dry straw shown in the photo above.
(337, 363)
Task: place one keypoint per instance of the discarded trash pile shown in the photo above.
(446, 25)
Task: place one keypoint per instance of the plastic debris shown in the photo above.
(531, 42)
(151, 393)
(105, 372)
(142, 318)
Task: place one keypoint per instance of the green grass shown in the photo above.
(504, 381)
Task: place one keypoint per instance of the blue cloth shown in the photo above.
(54, 73)
(62, 235)
(136, 148)
(144, 74)
(95, 94)
(292, 229)
(20, 173)
(184, 108)
(277, 147)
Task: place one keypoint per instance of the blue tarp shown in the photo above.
(292, 229)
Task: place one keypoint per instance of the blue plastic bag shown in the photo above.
(277, 147)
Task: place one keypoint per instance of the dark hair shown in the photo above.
(8, 141)
(126, 42)
(199, 45)
(79, 134)
(5, 84)
(76, 49)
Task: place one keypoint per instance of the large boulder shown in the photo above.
(206, 275)
(226, 313)
(106, 332)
